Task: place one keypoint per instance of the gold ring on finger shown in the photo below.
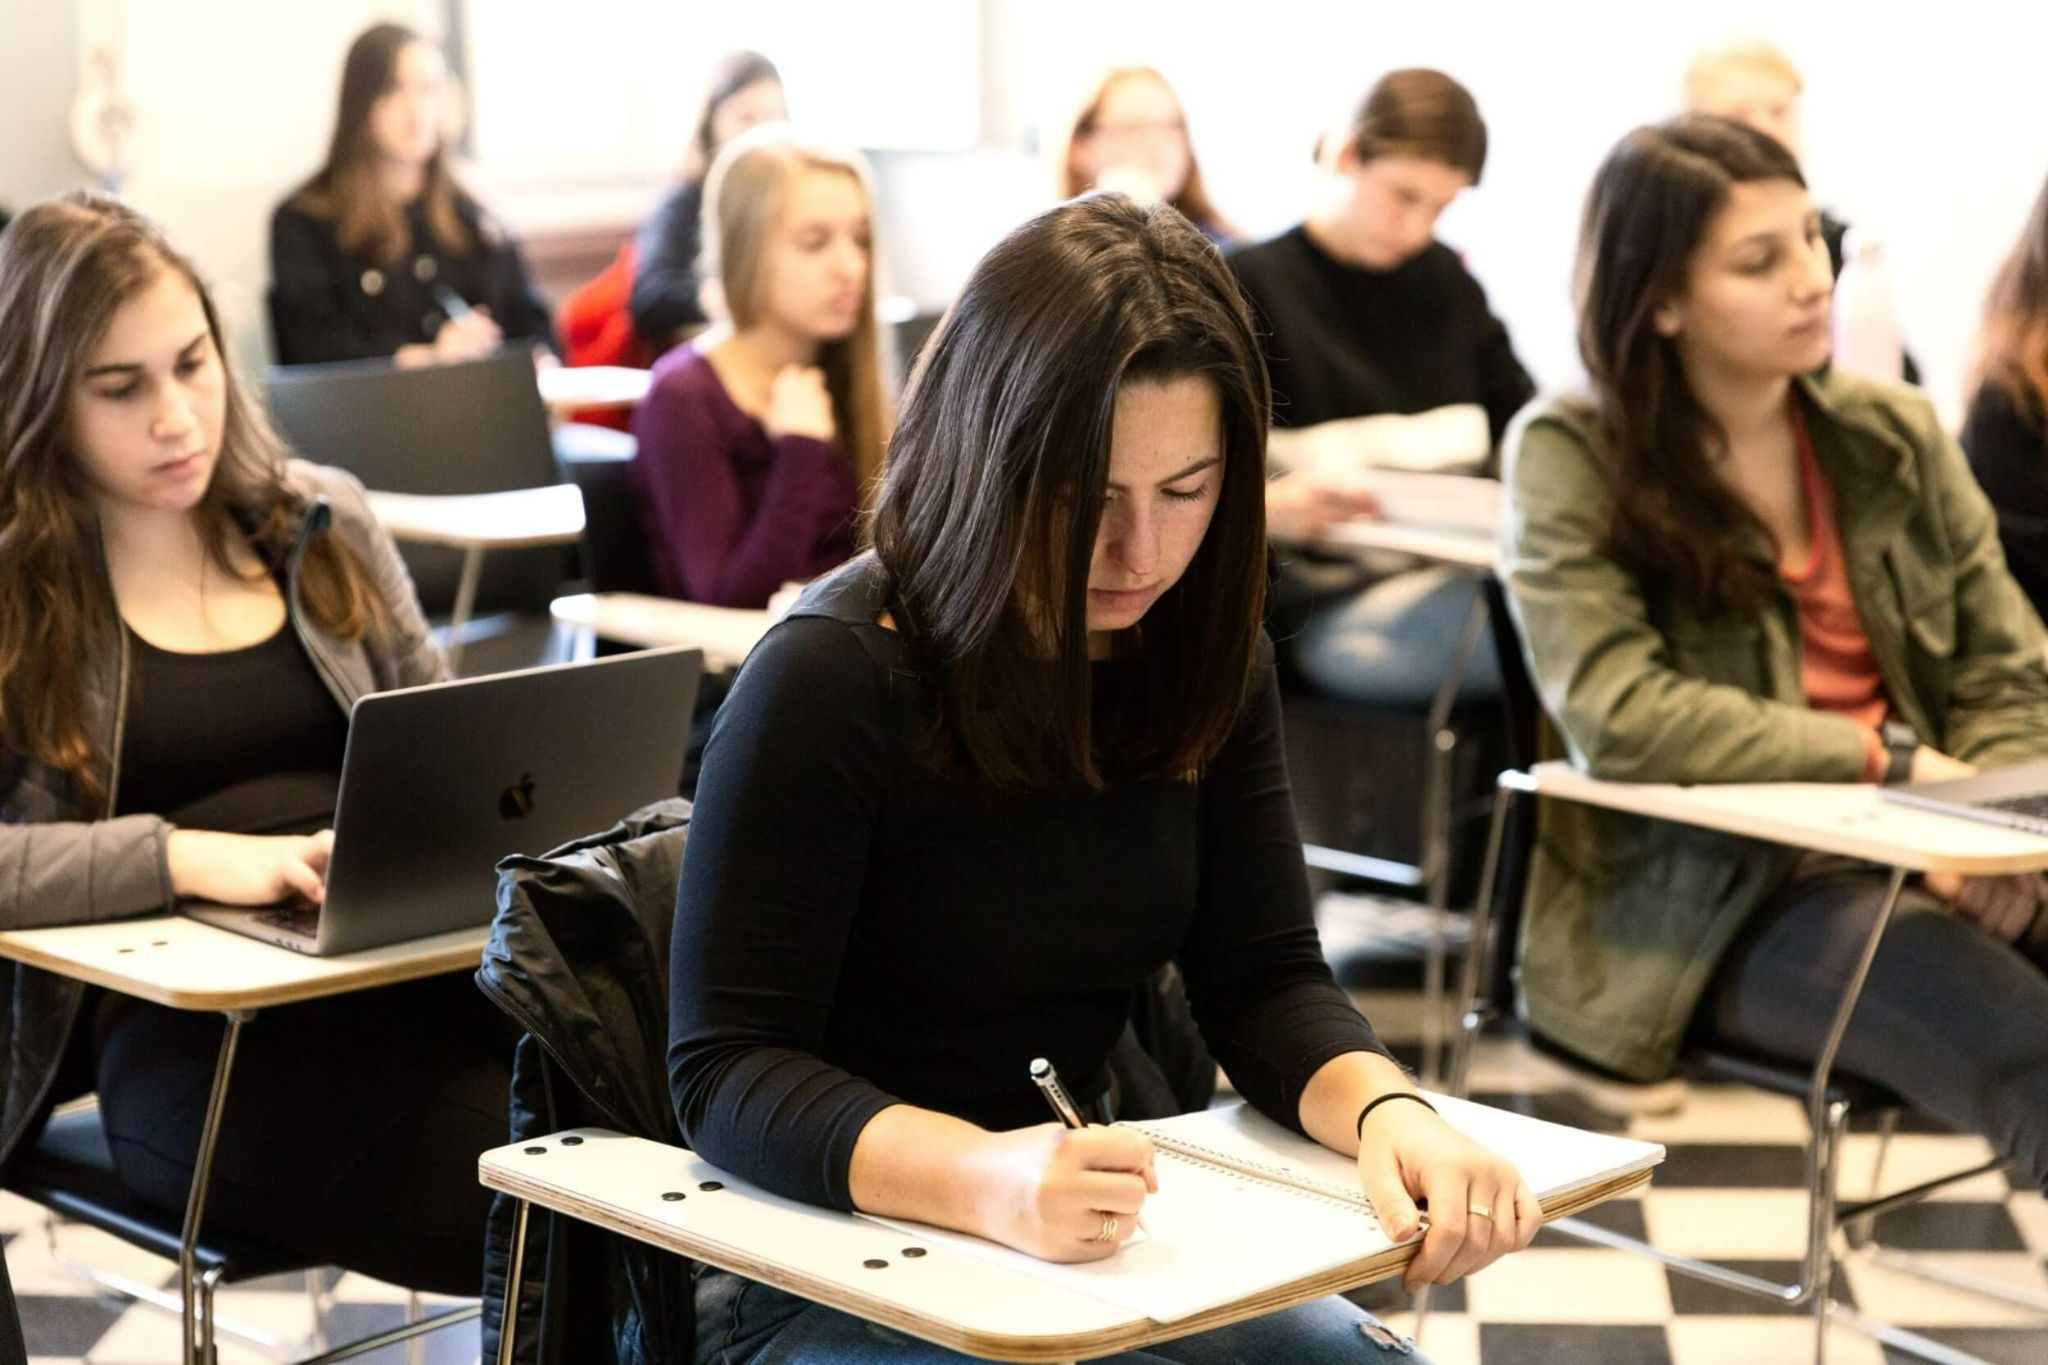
(1109, 1227)
(1482, 1210)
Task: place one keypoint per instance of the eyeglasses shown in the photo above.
(1139, 129)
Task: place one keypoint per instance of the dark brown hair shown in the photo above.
(988, 513)
(1652, 202)
(369, 224)
(2012, 349)
(1420, 113)
(1193, 200)
(66, 268)
(732, 73)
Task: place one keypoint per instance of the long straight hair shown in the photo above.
(66, 268)
(369, 223)
(1193, 200)
(1652, 203)
(2012, 348)
(743, 199)
(988, 515)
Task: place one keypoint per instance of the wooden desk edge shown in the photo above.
(454, 957)
(1564, 783)
(1139, 1332)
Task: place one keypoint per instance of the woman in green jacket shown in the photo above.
(1801, 583)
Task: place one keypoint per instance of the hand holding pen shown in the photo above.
(1063, 1107)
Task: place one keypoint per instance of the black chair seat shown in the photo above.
(71, 1172)
(1790, 1078)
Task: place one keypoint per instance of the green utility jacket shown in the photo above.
(1627, 918)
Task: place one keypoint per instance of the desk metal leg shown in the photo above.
(508, 1325)
(465, 601)
(1438, 817)
(199, 1327)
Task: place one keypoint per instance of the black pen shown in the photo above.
(1048, 1082)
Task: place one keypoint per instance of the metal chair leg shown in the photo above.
(508, 1325)
(198, 1340)
(208, 1284)
(1477, 967)
(415, 1349)
(1857, 1231)
(1439, 779)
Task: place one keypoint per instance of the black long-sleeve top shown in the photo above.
(664, 297)
(1344, 341)
(854, 928)
(326, 304)
(2007, 442)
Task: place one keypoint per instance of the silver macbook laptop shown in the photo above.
(440, 782)
(2016, 797)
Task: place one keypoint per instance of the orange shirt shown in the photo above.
(1836, 668)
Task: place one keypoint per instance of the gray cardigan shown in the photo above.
(60, 865)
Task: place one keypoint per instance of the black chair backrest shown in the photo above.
(1518, 841)
(616, 554)
(474, 427)
(13, 1351)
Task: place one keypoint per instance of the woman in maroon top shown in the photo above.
(759, 435)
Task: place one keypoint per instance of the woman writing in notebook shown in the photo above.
(1730, 565)
(185, 620)
(382, 252)
(986, 779)
(758, 436)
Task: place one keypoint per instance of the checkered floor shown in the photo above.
(1729, 1190)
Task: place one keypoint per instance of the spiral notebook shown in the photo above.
(1245, 1205)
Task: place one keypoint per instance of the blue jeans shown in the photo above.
(743, 1322)
(1390, 644)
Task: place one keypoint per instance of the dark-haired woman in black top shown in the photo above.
(382, 253)
(986, 780)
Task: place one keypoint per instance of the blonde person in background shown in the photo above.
(761, 433)
(1753, 82)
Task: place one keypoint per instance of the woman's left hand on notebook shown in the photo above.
(1479, 1207)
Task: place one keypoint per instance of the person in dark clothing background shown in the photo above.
(382, 252)
(744, 90)
(2006, 432)
(1366, 314)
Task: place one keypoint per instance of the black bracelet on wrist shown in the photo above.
(1390, 1095)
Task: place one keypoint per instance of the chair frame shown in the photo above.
(1827, 1112)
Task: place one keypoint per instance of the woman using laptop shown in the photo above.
(185, 620)
(759, 435)
(1730, 565)
(985, 780)
(382, 252)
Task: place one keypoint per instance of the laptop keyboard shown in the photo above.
(296, 917)
(2034, 805)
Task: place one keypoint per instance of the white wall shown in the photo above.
(1926, 123)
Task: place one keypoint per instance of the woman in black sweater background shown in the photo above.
(981, 783)
(1366, 314)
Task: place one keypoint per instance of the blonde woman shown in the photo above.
(759, 435)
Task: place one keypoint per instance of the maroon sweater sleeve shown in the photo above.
(708, 545)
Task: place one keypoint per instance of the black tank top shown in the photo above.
(248, 741)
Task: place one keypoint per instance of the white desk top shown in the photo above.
(187, 965)
(1441, 544)
(484, 521)
(725, 634)
(1847, 818)
(564, 388)
(941, 1295)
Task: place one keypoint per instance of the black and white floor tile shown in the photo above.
(1730, 1190)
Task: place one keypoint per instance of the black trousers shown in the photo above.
(351, 1130)
(1952, 1018)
